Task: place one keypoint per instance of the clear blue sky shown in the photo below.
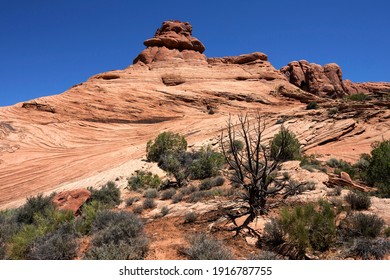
(46, 46)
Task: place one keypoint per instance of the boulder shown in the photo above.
(71, 200)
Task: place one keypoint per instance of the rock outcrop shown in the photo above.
(327, 80)
(71, 200)
(173, 40)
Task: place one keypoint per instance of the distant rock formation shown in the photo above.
(173, 40)
(327, 80)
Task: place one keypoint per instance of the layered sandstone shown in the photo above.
(327, 80)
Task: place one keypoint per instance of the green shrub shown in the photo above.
(368, 249)
(142, 180)
(8, 227)
(312, 106)
(84, 222)
(310, 163)
(138, 209)
(342, 165)
(150, 193)
(207, 163)
(198, 196)
(378, 171)
(58, 245)
(133, 250)
(334, 192)
(165, 142)
(274, 233)
(113, 226)
(177, 165)
(34, 205)
(190, 217)
(285, 146)
(358, 200)
(358, 97)
(21, 242)
(362, 225)
(238, 145)
(188, 190)
(387, 232)
(164, 210)
(332, 111)
(167, 194)
(177, 198)
(149, 203)
(109, 194)
(309, 226)
(131, 200)
(207, 248)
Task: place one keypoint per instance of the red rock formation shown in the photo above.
(173, 40)
(71, 200)
(327, 80)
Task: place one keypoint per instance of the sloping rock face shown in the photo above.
(173, 40)
(327, 80)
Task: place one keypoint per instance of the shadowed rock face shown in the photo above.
(327, 80)
(173, 40)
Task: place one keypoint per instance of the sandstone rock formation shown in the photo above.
(71, 200)
(327, 80)
(173, 40)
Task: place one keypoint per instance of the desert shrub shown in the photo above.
(358, 200)
(177, 198)
(142, 180)
(138, 209)
(133, 250)
(167, 194)
(150, 193)
(177, 165)
(21, 242)
(342, 166)
(204, 247)
(109, 194)
(164, 210)
(112, 227)
(165, 142)
(287, 139)
(8, 227)
(378, 171)
(332, 111)
(188, 190)
(83, 223)
(206, 184)
(358, 97)
(206, 163)
(387, 232)
(238, 145)
(294, 187)
(368, 249)
(265, 255)
(310, 163)
(149, 203)
(273, 232)
(60, 244)
(190, 217)
(312, 106)
(216, 192)
(131, 200)
(198, 196)
(219, 181)
(309, 226)
(362, 225)
(334, 192)
(34, 205)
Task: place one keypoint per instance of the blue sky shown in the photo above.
(47, 46)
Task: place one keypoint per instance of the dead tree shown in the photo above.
(254, 170)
